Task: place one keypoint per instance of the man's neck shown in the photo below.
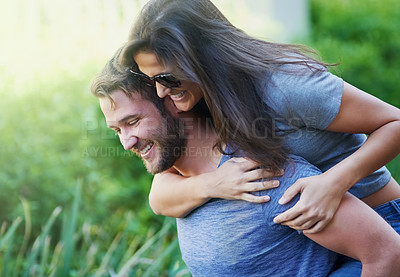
(200, 156)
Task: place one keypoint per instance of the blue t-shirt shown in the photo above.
(305, 104)
(238, 238)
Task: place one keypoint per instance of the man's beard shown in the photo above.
(170, 142)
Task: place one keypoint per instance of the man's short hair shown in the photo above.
(115, 76)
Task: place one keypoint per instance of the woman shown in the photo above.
(304, 110)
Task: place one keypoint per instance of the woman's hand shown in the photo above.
(319, 199)
(176, 196)
(321, 195)
(236, 178)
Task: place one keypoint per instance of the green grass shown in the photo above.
(87, 250)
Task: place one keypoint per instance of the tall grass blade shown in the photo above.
(155, 266)
(45, 255)
(10, 233)
(39, 243)
(31, 258)
(7, 241)
(135, 259)
(68, 239)
(6, 259)
(108, 255)
(56, 258)
(27, 235)
(130, 251)
(89, 261)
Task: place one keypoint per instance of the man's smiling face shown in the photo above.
(156, 138)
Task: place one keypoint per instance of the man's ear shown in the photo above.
(170, 106)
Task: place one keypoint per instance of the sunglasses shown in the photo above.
(165, 79)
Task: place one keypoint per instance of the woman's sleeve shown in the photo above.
(307, 98)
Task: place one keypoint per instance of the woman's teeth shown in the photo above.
(146, 149)
(179, 95)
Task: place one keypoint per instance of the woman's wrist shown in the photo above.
(338, 182)
(206, 185)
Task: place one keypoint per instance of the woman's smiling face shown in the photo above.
(185, 97)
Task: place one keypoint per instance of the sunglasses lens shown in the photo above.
(144, 78)
(169, 81)
(148, 81)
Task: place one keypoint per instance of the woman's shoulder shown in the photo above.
(301, 88)
(300, 77)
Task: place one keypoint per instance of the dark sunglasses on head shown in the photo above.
(165, 79)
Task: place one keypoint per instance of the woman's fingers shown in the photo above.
(308, 226)
(246, 164)
(253, 198)
(316, 228)
(238, 177)
(307, 219)
(300, 223)
(262, 185)
(259, 175)
(243, 163)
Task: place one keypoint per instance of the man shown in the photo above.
(236, 238)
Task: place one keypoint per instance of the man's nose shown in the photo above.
(128, 140)
(162, 91)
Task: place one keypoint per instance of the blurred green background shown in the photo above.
(56, 152)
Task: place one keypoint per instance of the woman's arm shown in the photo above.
(176, 196)
(359, 112)
(359, 232)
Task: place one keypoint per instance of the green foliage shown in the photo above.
(91, 250)
(53, 137)
(364, 37)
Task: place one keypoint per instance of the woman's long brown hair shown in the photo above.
(202, 46)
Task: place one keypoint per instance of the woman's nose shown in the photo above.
(162, 91)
